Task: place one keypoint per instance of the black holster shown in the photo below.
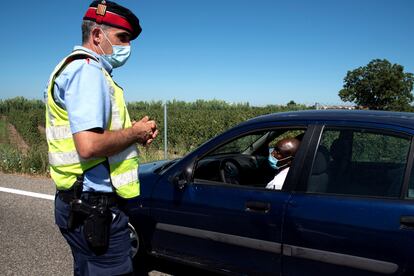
(75, 216)
(96, 220)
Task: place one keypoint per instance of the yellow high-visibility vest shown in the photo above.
(65, 162)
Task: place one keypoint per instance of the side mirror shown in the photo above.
(179, 180)
(183, 176)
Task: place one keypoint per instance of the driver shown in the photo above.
(280, 159)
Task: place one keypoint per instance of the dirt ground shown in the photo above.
(16, 139)
(3, 132)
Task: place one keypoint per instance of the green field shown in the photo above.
(189, 125)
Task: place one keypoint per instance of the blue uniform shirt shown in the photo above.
(82, 90)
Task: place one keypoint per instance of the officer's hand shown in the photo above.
(145, 130)
(149, 141)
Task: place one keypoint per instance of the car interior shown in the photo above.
(359, 163)
(244, 160)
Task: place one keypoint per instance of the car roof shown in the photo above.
(404, 119)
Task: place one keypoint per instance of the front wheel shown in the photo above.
(142, 264)
(135, 240)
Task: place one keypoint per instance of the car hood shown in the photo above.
(149, 174)
(151, 167)
(151, 171)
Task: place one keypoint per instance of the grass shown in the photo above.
(10, 159)
(151, 154)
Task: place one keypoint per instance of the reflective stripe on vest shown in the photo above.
(66, 158)
(58, 132)
(124, 178)
(65, 162)
(128, 153)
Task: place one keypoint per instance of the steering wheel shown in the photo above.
(230, 171)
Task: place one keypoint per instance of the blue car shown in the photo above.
(346, 206)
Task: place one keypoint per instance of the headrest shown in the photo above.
(321, 161)
(339, 149)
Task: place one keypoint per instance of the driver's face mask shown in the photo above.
(275, 163)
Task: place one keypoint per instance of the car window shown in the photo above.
(368, 147)
(297, 133)
(410, 192)
(359, 162)
(239, 145)
(244, 161)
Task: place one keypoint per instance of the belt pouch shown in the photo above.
(96, 230)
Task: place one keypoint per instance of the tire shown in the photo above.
(135, 241)
(141, 261)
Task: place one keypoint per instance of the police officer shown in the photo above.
(92, 142)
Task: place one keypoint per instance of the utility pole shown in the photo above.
(165, 132)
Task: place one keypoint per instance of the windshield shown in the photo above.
(240, 145)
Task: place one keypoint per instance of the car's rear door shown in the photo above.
(233, 227)
(351, 214)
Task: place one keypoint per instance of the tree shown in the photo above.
(379, 85)
(291, 103)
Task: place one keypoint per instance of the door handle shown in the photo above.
(407, 221)
(257, 206)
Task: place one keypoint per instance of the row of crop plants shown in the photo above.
(189, 125)
(26, 116)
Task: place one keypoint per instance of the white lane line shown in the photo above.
(26, 193)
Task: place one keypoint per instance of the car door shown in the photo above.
(225, 226)
(350, 214)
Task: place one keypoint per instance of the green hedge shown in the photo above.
(192, 123)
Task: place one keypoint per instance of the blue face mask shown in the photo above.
(119, 56)
(274, 162)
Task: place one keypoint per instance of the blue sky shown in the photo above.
(257, 51)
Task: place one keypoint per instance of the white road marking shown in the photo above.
(26, 193)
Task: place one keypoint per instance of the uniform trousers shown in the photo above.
(116, 260)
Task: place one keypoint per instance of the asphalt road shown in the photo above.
(30, 243)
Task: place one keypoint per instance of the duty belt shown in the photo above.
(92, 199)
